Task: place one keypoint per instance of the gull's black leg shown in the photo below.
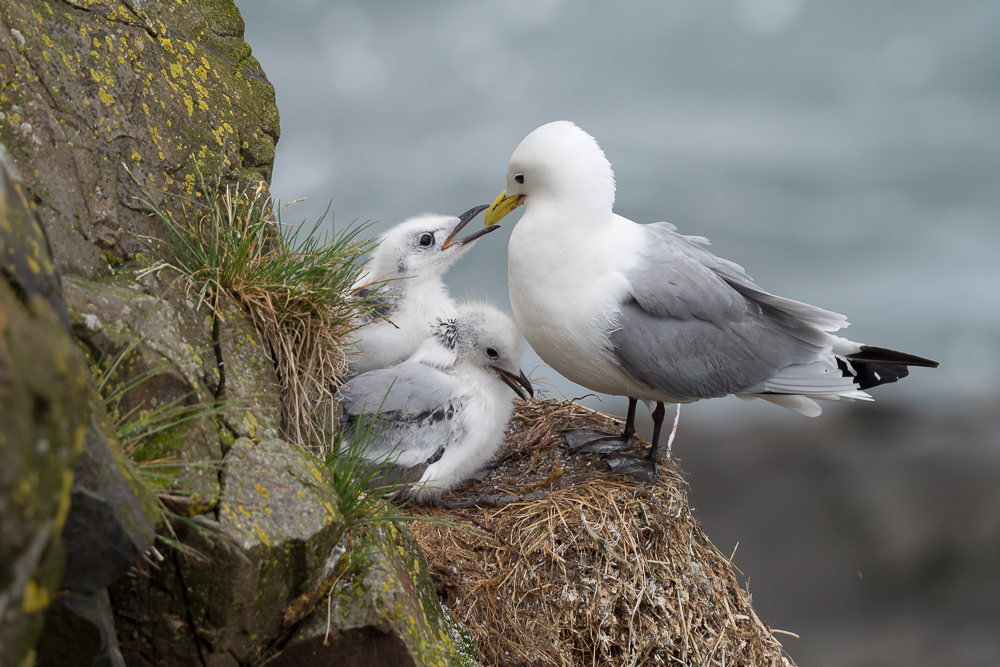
(630, 419)
(658, 415)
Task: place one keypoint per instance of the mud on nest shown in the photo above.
(591, 568)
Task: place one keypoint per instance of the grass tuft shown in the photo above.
(297, 287)
(144, 423)
(138, 427)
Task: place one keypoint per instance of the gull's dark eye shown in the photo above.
(519, 178)
(491, 353)
(426, 239)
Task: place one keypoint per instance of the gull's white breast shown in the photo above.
(567, 284)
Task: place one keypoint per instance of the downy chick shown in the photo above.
(404, 278)
(438, 418)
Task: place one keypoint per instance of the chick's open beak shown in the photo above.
(512, 381)
(501, 207)
(463, 220)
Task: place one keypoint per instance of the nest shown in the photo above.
(591, 568)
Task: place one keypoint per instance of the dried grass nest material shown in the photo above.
(595, 569)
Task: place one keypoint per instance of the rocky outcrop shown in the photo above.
(159, 333)
(70, 490)
(43, 422)
(104, 103)
(384, 612)
(273, 579)
(253, 568)
(97, 88)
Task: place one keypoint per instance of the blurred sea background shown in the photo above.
(846, 154)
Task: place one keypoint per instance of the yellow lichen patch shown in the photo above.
(262, 536)
(35, 599)
(261, 490)
(64, 500)
(315, 472)
(252, 424)
(218, 133)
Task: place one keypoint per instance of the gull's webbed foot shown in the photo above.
(640, 468)
(596, 442)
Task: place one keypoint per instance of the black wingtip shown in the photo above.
(884, 355)
(872, 366)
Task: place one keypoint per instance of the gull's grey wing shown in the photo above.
(409, 412)
(696, 326)
(680, 277)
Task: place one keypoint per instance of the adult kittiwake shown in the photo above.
(404, 279)
(439, 417)
(639, 310)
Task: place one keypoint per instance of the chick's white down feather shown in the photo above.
(404, 277)
(439, 417)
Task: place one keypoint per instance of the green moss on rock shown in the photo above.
(386, 612)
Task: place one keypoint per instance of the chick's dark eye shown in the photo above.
(491, 353)
(426, 239)
(519, 178)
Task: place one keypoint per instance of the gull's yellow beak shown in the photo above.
(501, 207)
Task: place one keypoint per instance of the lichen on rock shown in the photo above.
(268, 546)
(44, 423)
(94, 89)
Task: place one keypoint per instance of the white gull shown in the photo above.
(639, 310)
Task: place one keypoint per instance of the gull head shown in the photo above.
(487, 338)
(559, 163)
(423, 246)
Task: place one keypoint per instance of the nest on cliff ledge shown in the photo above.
(595, 569)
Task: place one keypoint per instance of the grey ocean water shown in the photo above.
(846, 153)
